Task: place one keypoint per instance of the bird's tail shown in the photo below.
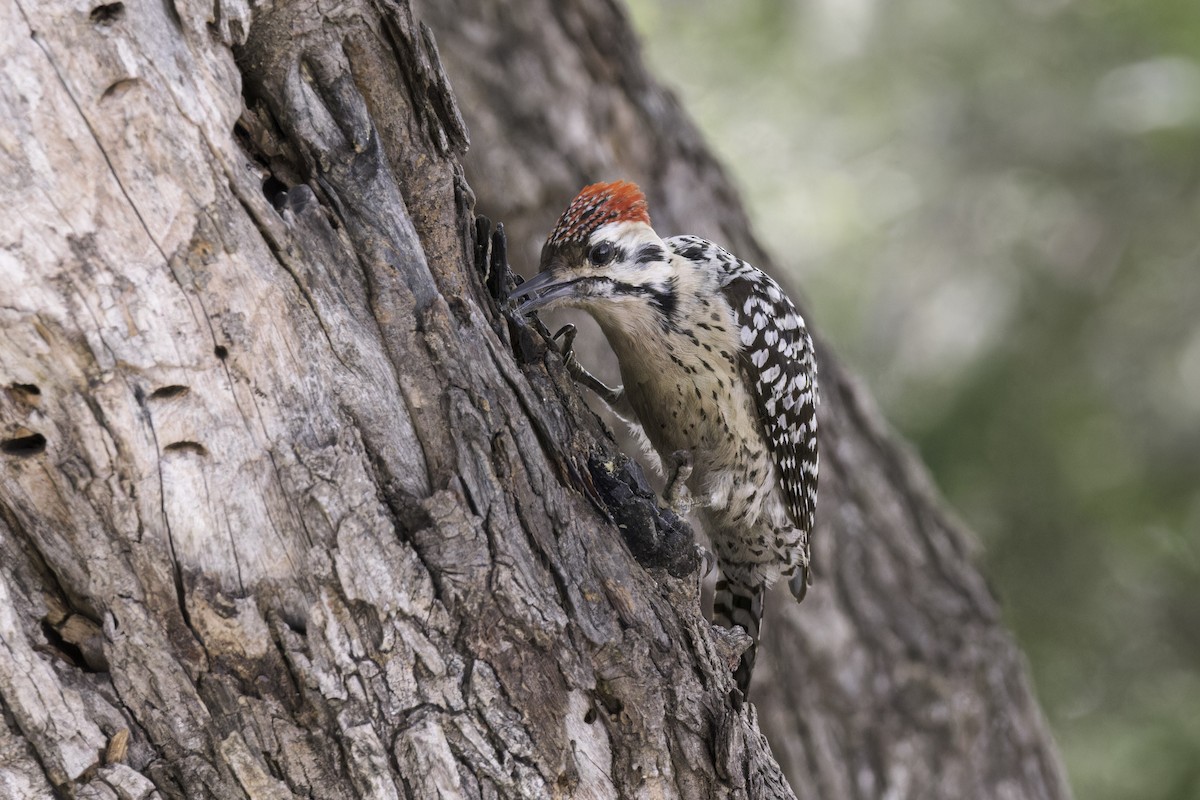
(738, 604)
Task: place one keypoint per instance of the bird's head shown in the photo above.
(602, 256)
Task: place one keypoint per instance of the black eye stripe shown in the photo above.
(650, 253)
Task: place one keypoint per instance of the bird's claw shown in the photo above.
(567, 333)
(707, 560)
(567, 350)
(580, 375)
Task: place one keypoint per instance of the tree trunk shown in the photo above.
(289, 507)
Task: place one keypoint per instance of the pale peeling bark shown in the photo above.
(287, 507)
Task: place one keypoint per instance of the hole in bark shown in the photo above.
(590, 716)
(186, 447)
(118, 88)
(612, 705)
(221, 352)
(108, 13)
(24, 446)
(25, 393)
(68, 650)
(275, 191)
(167, 392)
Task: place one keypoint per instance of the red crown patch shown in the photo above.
(596, 205)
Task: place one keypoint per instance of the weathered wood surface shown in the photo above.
(288, 508)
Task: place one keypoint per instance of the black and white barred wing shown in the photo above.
(779, 365)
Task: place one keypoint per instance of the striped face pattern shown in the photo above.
(596, 205)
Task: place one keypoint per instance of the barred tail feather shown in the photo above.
(738, 604)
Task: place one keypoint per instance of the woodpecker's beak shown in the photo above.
(545, 288)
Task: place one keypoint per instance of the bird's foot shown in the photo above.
(580, 375)
(676, 493)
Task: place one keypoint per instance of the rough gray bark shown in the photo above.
(895, 677)
(288, 508)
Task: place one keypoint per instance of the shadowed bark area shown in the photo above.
(289, 507)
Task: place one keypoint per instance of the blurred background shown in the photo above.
(993, 213)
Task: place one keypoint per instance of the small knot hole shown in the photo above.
(107, 13)
(24, 446)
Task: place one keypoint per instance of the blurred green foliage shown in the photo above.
(994, 212)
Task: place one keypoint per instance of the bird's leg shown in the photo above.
(800, 576)
(606, 393)
(678, 499)
(707, 560)
(676, 493)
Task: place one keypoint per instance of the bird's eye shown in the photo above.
(602, 253)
